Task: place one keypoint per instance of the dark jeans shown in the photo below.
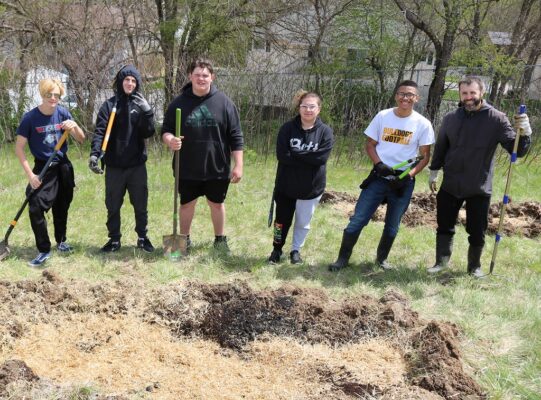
(56, 192)
(117, 181)
(285, 209)
(477, 207)
(370, 199)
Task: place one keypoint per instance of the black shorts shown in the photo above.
(214, 190)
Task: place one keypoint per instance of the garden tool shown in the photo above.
(107, 135)
(175, 245)
(522, 110)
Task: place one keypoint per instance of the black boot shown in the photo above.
(444, 249)
(474, 261)
(346, 248)
(384, 247)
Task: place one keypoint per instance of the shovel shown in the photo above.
(4, 248)
(174, 245)
(506, 199)
(107, 135)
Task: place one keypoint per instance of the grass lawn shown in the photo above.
(500, 317)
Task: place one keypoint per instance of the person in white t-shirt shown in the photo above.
(394, 135)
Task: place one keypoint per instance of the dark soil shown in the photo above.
(519, 219)
(233, 315)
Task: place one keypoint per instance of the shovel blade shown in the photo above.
(174, 246)
(4, 250)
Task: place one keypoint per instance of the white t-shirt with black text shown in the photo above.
(399, 138)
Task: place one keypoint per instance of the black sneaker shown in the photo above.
(111, 246)
(144, 243)
(295, 257)
(274, 258)
(220, 244)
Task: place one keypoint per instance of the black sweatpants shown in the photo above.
(117, 181)
(477, 208)
(56, 192)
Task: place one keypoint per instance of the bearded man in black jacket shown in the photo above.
(465, 149)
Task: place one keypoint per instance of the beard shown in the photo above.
(472, 105)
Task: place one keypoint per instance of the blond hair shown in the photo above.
(48, 84)
(301, 95)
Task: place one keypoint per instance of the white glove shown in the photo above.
(522, 125)
(433, 180)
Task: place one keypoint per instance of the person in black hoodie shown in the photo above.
(465, 149)
(125, 155)
(211, 136)
(303, 147)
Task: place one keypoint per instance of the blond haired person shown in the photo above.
(41, 128)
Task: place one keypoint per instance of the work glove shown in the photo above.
(93, 165)
(522, 125)
(141, 102)
(433, 180)
(383, 169)
(397, 183)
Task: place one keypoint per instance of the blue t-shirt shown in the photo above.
(43, 131)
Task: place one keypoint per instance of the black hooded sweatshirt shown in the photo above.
(302, 158)
(126, 147)
(211, 130)
(465, 149)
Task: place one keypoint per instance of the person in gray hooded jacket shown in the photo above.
(125, 155)
(465, 149)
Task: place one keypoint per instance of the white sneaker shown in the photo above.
(437, 268)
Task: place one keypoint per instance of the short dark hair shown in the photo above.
(200, 63)
(469, 79)
(408, 82)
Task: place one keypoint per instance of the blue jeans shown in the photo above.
(371, 198)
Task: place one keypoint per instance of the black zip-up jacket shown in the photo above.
(465, 149)
(302, 158)
(211, 130)
(126, 147)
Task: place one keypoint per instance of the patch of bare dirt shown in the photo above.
(520, 218)
(199, 341)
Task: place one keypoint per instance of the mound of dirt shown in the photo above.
(520, 218)
(276, 343)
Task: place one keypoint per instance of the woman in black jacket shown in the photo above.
(303, 148)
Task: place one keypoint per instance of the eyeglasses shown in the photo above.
(308, 107)
(406, 95)
(55, 95)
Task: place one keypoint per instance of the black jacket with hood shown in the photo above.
(126, 147)
(465, 149)
(211, 130)
(302, 158)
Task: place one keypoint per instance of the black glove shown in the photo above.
(141, 102)
(383, 169)
(397, 183)
(93, 165)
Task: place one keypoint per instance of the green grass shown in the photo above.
(500, 317)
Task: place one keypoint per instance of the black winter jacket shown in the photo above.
(465, 149)
(126, 147)
(211, 129)
(302, 158)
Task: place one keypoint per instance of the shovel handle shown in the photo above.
(108, 131)
(178, 121)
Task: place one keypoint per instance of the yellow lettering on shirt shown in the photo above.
(398, 136)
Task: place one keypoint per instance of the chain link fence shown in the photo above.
(264, 100)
